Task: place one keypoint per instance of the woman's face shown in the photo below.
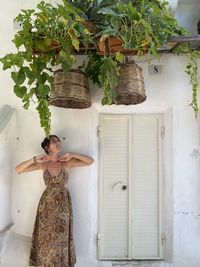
(55, 145)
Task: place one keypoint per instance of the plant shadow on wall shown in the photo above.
(104, 30)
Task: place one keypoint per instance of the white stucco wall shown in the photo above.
(7, 127)
(169, 90)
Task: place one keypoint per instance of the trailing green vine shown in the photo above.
(105, 71)
(33, 82)
(191, 69)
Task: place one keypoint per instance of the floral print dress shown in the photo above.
(52, 239)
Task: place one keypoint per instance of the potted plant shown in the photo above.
(47, 39)
(51, 35)
(89, 9)
(138, 28)
(142, 26)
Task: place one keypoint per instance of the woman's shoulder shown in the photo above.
(42, 165)
(65, 165)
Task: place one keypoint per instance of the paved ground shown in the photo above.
(14, 250)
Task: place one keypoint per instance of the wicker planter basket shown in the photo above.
(131, 87)
(71, 90)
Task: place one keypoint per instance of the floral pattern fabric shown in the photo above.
(52, 239)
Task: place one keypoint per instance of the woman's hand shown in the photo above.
(42, 158)
(66, 157)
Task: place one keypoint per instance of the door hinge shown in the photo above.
(98, 130)
(98, 239)
(163, 238)
(163, 132)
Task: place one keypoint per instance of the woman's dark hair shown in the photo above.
(46, 142)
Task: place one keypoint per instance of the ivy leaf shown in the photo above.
(6, 64)
(67, 63)
(18, 77)
(104, 101)
(43, 90)
(43, 77)
(30, 75)
(20, 91)
(12, 59)
(119, 57)
(189, 66)
(73, 35)
(21, 77)
(18, 40)
(62, 54)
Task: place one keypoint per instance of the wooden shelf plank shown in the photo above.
(183, 39)
(194, 40)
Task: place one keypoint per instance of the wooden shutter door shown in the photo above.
(114, 174)
(147, 184)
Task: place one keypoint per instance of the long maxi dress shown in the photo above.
(52, 238)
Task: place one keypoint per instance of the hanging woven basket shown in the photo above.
(71, 90)
(131, 87)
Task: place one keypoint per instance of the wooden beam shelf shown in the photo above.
(183, 39)
(174, 41)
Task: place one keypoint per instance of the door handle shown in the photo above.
(118, 184)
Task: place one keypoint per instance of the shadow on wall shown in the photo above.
(7, 129)
(14, 248)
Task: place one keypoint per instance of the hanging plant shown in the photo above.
(47, 39)
(105, 72)
(51, 35)
(191, 69)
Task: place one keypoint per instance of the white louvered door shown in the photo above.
(114, 176)
(130, 206)
(147, 194)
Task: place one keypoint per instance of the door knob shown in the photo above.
(119, 184)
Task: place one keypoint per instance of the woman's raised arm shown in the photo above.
(31, 164)
(76, 160)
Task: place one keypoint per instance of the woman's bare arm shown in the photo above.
(26, 166)
(31, 164)
(76, 160)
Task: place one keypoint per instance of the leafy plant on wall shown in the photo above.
(191, 69)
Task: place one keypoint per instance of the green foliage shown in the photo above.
(142, 25)
(91, 8)
(47, 39)
(33, 82)
(108, 78)
(51, 34)
(192, 70)
(105, 71)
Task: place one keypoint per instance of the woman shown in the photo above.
(52, 239)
